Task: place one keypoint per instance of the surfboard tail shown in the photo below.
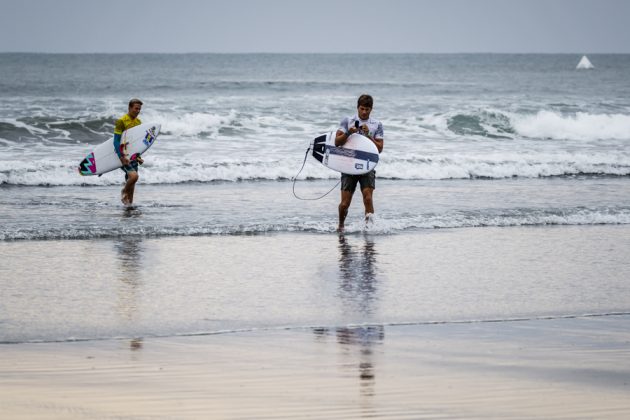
(319, 147)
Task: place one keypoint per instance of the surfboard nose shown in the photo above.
(88, 165)
(82, 167)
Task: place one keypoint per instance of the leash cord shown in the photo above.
(298, 174)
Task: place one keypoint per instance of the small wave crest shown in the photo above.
(92, 129)
(580, 126)
(96, 128)
(196, 124)
(483, 123)
(544, 124)
(381, 225)
(489, 124)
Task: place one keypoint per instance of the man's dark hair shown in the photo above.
(365, 100)
(134, 101)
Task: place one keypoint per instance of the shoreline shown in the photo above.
(303, 328)
(555, 369)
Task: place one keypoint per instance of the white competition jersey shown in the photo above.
(375, 128)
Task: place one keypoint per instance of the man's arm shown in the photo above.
(378, 138)
(341, 138)
(379, 144)
(343, 132)
(118, 130)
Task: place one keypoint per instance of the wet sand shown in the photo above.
(513, 323)
(573, 368)
(141, 287)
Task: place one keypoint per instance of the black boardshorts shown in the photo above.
(349, 182)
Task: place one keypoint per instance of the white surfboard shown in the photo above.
(357, 156)
(135, 141)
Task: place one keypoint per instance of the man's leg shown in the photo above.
(346, 199)
(132, 178)
(348, 185)
(368, 183)
(368, 203)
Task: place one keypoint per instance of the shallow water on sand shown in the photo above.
(134, 287)
(31, 213)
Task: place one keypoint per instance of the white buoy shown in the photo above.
(585, 63)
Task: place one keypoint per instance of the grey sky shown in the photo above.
(521, 26)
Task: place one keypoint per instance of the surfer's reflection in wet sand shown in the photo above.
(357, 290)
(358, 276)
(129, 250)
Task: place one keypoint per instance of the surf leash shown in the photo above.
(298, 174)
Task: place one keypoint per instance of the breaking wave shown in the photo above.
(165, 170)
(544, 124)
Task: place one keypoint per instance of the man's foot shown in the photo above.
(369, 220)
(123, 197)
(340, 229)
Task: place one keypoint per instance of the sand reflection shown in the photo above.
(358, 295)
(129, 253)
(358, 280)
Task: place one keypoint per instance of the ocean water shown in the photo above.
(240, 124)
(473, 142)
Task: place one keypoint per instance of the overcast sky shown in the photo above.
(447, 26)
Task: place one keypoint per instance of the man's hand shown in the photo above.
(378, 143)
(139, 160)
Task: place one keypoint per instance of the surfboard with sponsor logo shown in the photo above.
(357, 156)
(134, 142)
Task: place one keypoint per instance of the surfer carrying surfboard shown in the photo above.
(129, 164)
(373, 129)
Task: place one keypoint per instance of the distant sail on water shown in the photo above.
(585, 63)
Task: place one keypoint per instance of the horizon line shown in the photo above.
(312, 53)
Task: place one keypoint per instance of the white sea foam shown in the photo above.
(194, 123)
(545, 124)
(381, 225)
(161, 169)
(581, 126)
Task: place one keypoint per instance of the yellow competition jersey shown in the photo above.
(125, 123)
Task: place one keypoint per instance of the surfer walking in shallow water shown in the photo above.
(373, 129)
(129, 165)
